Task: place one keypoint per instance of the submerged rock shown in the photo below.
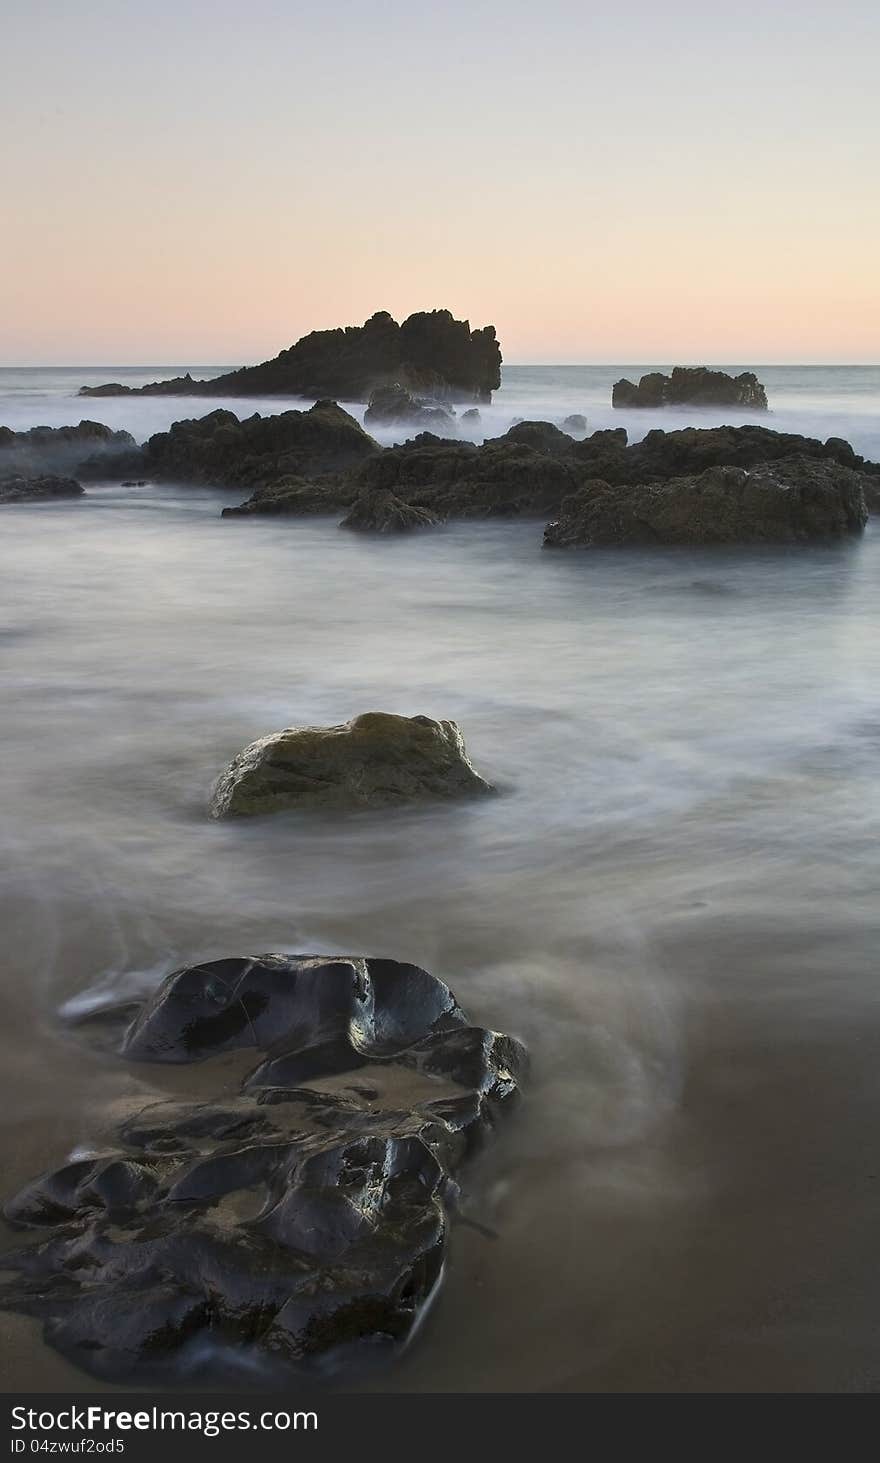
(575, 423)
(792, 501)
(305, 1218)
(431, 352)
(381, 512)
(691, 386)
(38, 489)
(377, 760)
(393, 406)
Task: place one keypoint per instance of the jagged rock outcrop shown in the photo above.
(506, 476)
(87, 451)
(692, 386)
(660, 455)
(790, 501)
(394, 406)
(304, 1218)
(431, 352)
(219, 448)
(45, 489)
(382, 512)
(378, 760)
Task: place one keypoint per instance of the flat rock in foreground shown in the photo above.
(303, 1220)
(793, 501)
(378, 760)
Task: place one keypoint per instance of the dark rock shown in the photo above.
(661, 455)
(504, 477)
(790, 501)
(299, 496)
(381, 512)
(85, 451)
(528, 471)
(575, 423)
(305, 1218)
(394, 406)
(430, 352)
(38, 489)
(220, 449)
(691, 386)
(375, 761)
(472, 417)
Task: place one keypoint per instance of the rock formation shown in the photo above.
(375, 761)
(381, 512)
(394, 406)
(692, 386)
(15, 489)
(794, 500)
(430, 352)
(304, 1219)
(218, 448)
(87, 451)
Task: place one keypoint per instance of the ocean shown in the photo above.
(674, 901)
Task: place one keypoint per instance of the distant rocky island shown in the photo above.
(691, 386)
(431, 353)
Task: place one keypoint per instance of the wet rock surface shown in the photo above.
(429, 352)
(382, 512)
(691, 386)
(38, 489)
(303, 1220)
(377, 760)
(787, 502)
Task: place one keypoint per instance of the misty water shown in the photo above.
(674, 900)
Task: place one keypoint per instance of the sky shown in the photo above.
(197, 181)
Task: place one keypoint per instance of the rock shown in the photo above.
(430, 352)
(295, 495)
(472, 417)
(38, 489)
(531, 469)
(691, 386)
(575, 424)
(661, 455)
(381, 512)
(304, 1218)
(218, 448)
(375, 761)
(394, 406)
(504, 477)
(791, 501)
(85, 451)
